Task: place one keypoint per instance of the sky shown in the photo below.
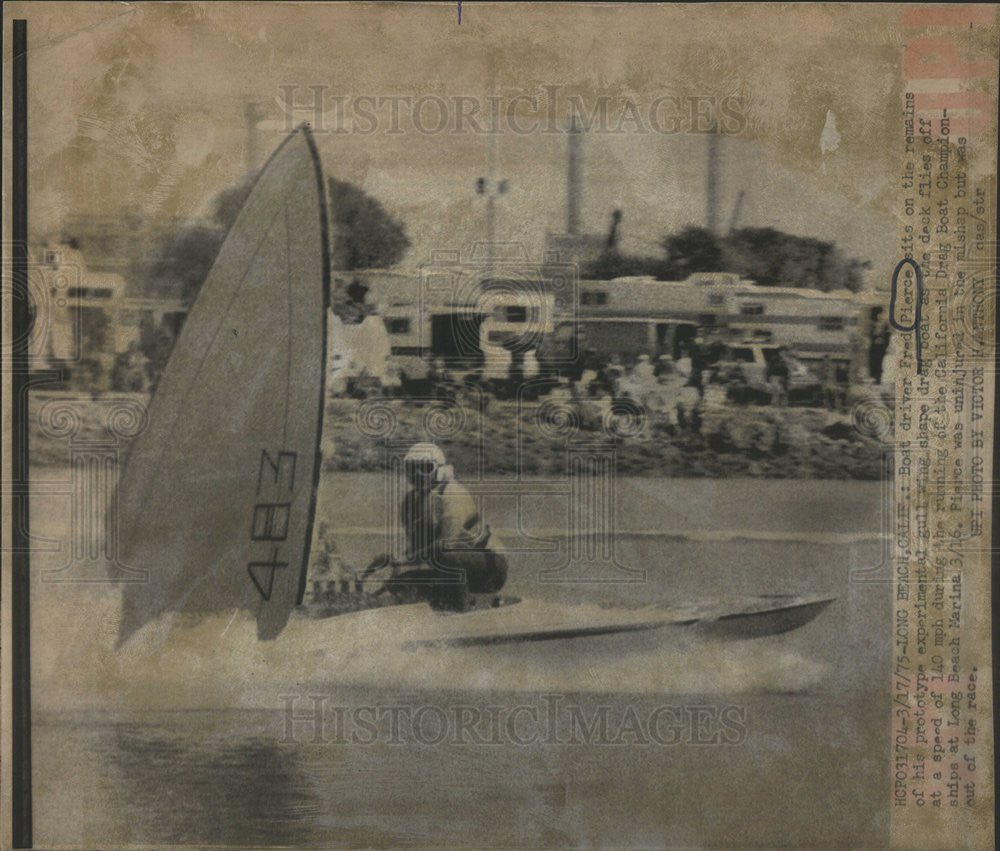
(141, 106)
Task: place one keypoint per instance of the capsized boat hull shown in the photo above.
(518, 626)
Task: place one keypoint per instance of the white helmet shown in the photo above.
(425, 458)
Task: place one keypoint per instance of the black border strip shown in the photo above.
(20, 556)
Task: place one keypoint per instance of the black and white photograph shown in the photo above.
(451, 425)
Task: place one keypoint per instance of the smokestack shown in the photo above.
(736, 211)
(574, 176)
(712, 182)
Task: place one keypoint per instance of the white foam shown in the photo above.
(219, 663)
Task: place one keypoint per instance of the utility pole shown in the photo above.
(611, 246)
(574, 175)
(736, 211)
(489, 187)
(712, 181)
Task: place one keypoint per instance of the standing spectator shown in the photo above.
(392, 381)
(530, 371)
(777, 377)
(441, 379)
(664, 366)
(587, 384)
(684, 363)
(879, 345)
(129, 373)
(515, 371)
(699, 363)
(496, 369)
(530, 365)
(640, 382)
(831, 386)
(644, 371)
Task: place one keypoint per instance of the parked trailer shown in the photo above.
(625, 338)
(460, 333)
(724, 309)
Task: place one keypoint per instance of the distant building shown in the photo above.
(434, 315)
(641, 314)
(458, 312)
(84, 316)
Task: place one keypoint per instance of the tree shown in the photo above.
(774, 258)
(365, 236)
(756, 253)
(184, 262)
(227, 204)
(694, 249)
(770, 257)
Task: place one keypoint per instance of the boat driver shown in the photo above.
(449, 554)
